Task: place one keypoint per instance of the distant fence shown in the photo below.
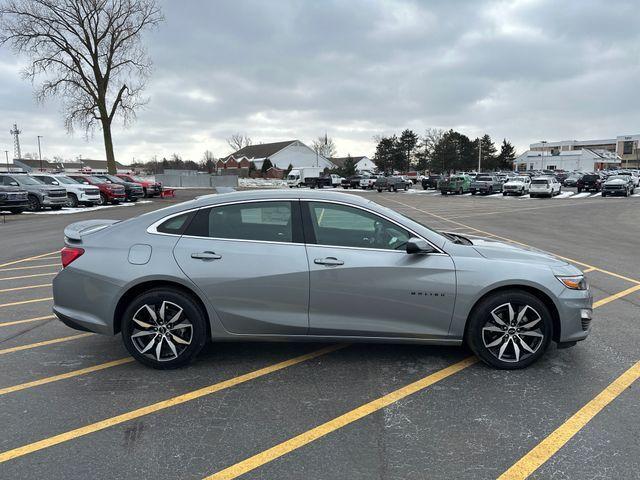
(198, 181)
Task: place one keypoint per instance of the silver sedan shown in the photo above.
(284, 265)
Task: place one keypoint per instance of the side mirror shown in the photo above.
(418, 245)
(86, 183)
(14, 184)
(54, 183)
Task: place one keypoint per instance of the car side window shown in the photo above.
(46, 180)
(260, 221)
(344, 226)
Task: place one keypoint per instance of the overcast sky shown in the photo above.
(280, 69)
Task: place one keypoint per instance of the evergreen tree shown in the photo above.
(507, 155)
(286, 172)
(266, 165)
(349, 167)
(389, 155)
(407, 143)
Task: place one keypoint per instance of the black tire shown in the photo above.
(395, 189)
(115, 202)
(473, 192)
(56, 207)
(504, 194)
(146, 195)
(103, 199)
(34, 204)
(481, 317)
(191, 314)
(133, 200)
(379, 190)
(406, 187)
(72, 200)
(443, 192)
(579, 190)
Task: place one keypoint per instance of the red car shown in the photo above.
(151, 189)
(109, 192)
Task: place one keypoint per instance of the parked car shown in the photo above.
(589, 182)
(351, 182)
(546, 186)
(517, 185)
(618, 185)
(13, 199)
(132, 191)
(109, 192)
(633, 177)
(457, 184)
(336, 180)
(391, 184)
(431, 182)
(39, 195)
(185, 275)
(77, 194)
(572, 180)
(149, 187)
(486, 184)
(368, 181)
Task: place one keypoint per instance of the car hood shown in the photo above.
(616, 182)
(496, 250)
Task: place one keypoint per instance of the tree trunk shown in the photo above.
(108, 147)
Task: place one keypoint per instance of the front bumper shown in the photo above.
(575, 309)
(13, 204)
(89, 197)
(54, 201)
(614, 191)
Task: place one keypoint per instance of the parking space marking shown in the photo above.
(28, 259)
(23, 302)
(548, 447)
(30, 267)
(64, 376)
(43, 343)
(27, 320)
(616, 296)
(590, 269)
(343, 420)
(582, 264)
(27, 287)
(158, 406)
(20, 277)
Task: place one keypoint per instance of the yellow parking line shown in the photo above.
(26, 320)
(42, 344)
(155, 407)
(20, 277)
(23, 302)
(616, 296)
(28, 259)
(30, 267)
(27, 287)
(343, 420)
(590, 269)
(582, 264)
(561, 435)
(64, 376)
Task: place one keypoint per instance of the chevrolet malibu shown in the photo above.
(314, 266)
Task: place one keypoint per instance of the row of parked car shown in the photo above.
(33, 192)
(609, 182)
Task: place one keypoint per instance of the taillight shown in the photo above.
(69, 254)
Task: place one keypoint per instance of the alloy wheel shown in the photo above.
(163, 333)
(512, 333)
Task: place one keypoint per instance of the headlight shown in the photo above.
(573, 282)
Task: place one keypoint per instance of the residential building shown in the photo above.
(281, 155)
(627, 147)
(361, 163)
(585, 159)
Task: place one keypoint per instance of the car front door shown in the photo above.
(363, 283)
(250, 261)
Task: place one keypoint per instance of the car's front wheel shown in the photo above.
(164, 328)
(510, 329)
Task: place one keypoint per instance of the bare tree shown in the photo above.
(88, 52)
(325, 146)
(238, 141)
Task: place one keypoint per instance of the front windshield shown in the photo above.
(618, 177)
(93, 179)
(112, 178)
(24, 180)
(65, 180)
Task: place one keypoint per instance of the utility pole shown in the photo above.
(479, 153)
(40, 153)
(16, 141)
(6, 154)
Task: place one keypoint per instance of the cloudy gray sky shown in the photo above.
(281, 69)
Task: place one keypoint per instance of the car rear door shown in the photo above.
(250, 261)
(363, 283)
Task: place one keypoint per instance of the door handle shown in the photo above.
(206, 256)
(328, 261)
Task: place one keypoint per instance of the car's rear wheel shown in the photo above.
(164, 328)
(510, 329)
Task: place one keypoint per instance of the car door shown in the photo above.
(363, 283)
(248, 258)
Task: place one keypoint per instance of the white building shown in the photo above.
(627, 147)
(585, 160)
(283, 154)
(361, 163)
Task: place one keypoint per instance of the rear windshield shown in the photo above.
(590, 177)
(540, 181)
(484, 179)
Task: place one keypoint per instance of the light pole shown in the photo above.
(479, 153)
(6, 154)
(40, 153)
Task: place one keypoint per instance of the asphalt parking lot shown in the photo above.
(75, 406)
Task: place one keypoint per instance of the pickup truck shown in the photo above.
(351, 182)
(485, 184)
(392, 184)
(431, 181)
(457, 184)
(367, 182)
